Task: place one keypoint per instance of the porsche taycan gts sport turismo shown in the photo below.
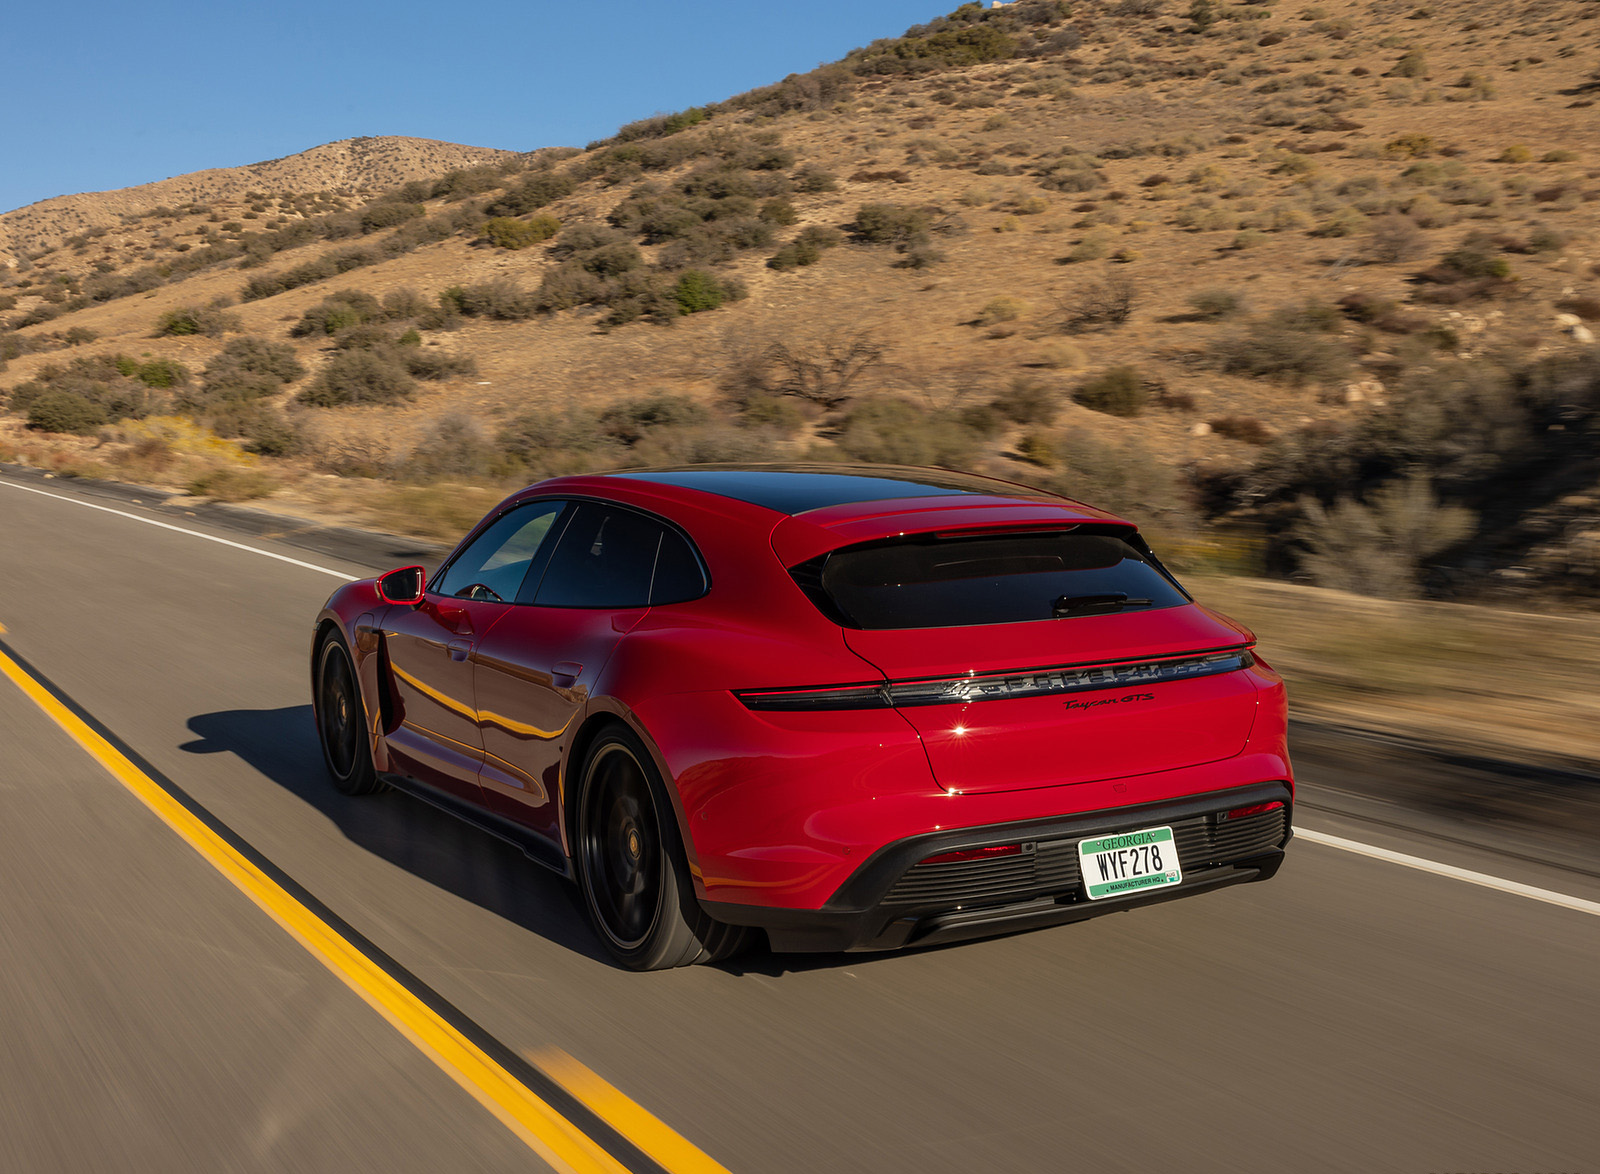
(848, 708)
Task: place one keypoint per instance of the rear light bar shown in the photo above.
(1001, 686)
(966, 854)
(1253, 809)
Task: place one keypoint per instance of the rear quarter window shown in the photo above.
(940, 581)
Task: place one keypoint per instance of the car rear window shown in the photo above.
(946, 581)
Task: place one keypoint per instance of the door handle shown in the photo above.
(566, 673)
(459, 649)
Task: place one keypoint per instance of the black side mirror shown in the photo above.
(403, 586)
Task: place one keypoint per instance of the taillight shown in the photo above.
(1003, 686)
(1253, 809)
(975, 854)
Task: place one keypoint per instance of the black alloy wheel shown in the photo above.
(341, 722)
(635, 883)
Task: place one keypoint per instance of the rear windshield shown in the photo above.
(933, 581)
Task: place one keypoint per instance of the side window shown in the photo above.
(609, 557)
(678, 576)
(498, 560)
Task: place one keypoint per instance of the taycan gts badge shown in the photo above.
(1125, 699)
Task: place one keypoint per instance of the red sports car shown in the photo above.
(856, 708)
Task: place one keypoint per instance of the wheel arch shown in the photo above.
(592, 726)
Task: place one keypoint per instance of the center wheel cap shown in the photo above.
(633, 844)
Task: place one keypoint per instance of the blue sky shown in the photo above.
(108, 94)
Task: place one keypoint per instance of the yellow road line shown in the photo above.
(657, 1139)
(555, 1139)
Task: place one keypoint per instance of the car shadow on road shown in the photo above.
(281, 745)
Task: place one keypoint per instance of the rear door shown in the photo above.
(1041, 659)
(537, 668)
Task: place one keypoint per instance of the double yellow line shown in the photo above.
(559, 1141)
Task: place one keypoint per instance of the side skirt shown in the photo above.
(531, 845)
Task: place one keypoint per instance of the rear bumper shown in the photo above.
(893, 900)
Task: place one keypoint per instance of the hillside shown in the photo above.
(355, 166)
(1308, 288)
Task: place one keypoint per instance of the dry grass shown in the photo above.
(1468, 676)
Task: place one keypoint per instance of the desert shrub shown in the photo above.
(206, 320)
(388, 213)
(891, 224)
(538, 189)
(1118, 391)
(1027, 401)
(1069, 173)
(507, 232)
(359, 377)
(403, 303)
(1291, 346)
(1394, 238)
(228, 483)
(823, 368)
(64, 411)
(431, 364)
(1412, 64)
(779, 211)
(697, 290)
(501, 300)
(264, 431)
(1379, 548)
(630, 421)
(807, 248)
(1245, 428)
(1516, 153)
(453, 447)
(924, 52)
(1474, 258)
(162, 374)
(892, 431)
(811, 179)
(1001, 309)
(1214, 304)
(338, 311)
(469, 181)
(1091, 248)
(248, 368)
(1098, 304)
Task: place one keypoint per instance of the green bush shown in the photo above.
(507, 232)
(207, 320)
(161, 373)
(1118, 391)
(64, 411)
(697, 290)
(338, 311)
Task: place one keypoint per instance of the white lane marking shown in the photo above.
(282, 558)
(1499, 884)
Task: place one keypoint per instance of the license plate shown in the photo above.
(1129, 862)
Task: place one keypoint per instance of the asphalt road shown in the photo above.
(1349, 1015)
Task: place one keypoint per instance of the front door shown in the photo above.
(438, 739)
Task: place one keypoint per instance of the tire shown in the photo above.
(630, 864)
(341, 721)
